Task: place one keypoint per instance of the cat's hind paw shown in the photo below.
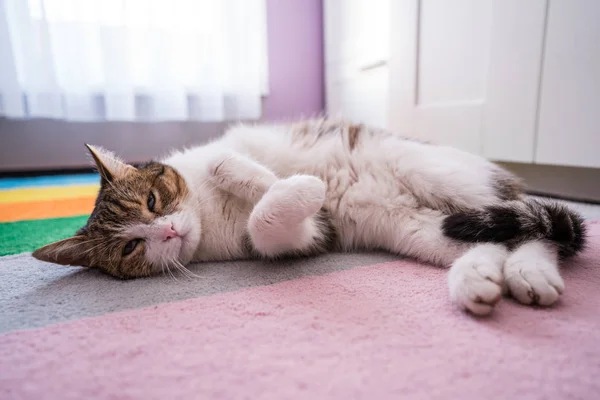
(533, 281)
(475, 279)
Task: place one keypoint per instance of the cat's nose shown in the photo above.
(168, 232)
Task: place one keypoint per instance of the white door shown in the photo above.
(356, 55)
(466, 73)
(569, 127)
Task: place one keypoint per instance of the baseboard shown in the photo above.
(569, 183)
(49, 145)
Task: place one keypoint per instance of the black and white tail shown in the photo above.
(515, 222)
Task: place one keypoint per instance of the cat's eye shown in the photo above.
(130, 246)
(151, 202)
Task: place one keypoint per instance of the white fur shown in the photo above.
(384, 192)
(475, 279)
(531, 274)
(280, 222)
(370, 193)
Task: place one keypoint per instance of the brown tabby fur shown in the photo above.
(122, 200)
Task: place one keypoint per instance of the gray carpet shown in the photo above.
(36, 294)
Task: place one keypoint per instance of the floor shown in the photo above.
(587, 210)
(338, 326)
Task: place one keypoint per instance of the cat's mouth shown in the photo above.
(183, 233)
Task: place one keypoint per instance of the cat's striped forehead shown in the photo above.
(126, 200)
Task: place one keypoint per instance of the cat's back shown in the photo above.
(309, 146)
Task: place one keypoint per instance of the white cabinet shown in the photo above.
(569, 126)
(511, 80)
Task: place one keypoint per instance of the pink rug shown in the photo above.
(385, 331)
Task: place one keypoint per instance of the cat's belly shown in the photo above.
(361, 206)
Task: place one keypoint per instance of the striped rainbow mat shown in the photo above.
(38, 210)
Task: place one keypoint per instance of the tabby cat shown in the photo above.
(269, 191)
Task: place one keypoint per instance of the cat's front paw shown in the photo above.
(303, 193)
(219, 164)
(475, 282)
(534, 281)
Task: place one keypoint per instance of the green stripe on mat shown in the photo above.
(22, 236)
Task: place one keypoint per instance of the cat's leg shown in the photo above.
(287, 219)
(286, 215)
(475, 278)
(531, 273)
(241, 176)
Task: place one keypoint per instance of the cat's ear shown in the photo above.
(71, 251)
(109, 165)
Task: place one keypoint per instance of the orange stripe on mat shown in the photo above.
(10, 212)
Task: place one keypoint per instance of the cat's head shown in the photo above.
(144, 222)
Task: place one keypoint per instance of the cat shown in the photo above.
(304, 188)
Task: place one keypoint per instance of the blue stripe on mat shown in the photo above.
(54, 180)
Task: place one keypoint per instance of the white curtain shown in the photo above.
(132, 60)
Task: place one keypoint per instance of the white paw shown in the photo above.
(305, 185)
(475, 282)
(304, 193)
(533, 281)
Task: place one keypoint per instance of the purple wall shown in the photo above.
(295, 46)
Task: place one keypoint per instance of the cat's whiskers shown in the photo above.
(108, 250)
(77, 244)
(185, 271)
(85, 252)
(162, 268)
(171, 274)
(180, 270)
(206, 200)
(211, 194)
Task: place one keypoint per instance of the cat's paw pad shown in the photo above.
(475, 285)
(534, 282)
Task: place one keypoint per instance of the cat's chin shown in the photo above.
(189, 227)
(175, 252)
(189, 243)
